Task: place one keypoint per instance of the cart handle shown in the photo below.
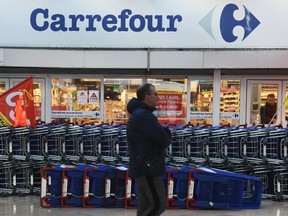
(242, 125)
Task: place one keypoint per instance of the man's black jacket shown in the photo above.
(146, 138)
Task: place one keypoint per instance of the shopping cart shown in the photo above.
(5, 143)
(284, 150)
(121, 145)
(270, 146)
(177, 187)
(53, 146)
(195, 145)
(281, 185)
(72, 187)
(35, 176)
(212, 146)
(267, 177)
(115, 186)
(250, 145)
(36, 142)
(180, 136)
(90, 142)
(24, 178)
(7, 178)
(108, 140)
(72, 142)
(20, 139)
(213, 188)
(51, 186)
(104, 186)
(131, 192)
(230, 144)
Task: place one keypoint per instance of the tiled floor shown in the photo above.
(30, 206)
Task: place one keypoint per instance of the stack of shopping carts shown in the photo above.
(86, 156)
(83, 186)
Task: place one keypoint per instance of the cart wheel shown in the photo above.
(4, 194)
(278, 198)
(21, 194)
(37, 193)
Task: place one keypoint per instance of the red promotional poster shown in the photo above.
(17, 105)
(170, 103)
(170, 109)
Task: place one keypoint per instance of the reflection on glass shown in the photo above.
(171, 107)
(117, 93)
(201, 102)
(37, 87)
(230, 102)
(2, 87)
(76, 95)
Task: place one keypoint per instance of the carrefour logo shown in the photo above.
(228, 22)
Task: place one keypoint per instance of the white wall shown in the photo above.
(205, 59)
(74, 58)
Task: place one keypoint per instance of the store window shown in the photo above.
(201, 102)
(37, 87)
(76, 100)
(37, 92)
(230, 102)
(117, 93)
(2, 87)
(172, 94)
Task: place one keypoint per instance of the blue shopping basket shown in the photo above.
(72, 187)
(105, 186)
(115, 186)
(131, 192)
(177, 185)
(212, 188)
(51, 186)
(94, 186)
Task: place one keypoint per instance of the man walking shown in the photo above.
(147, 143)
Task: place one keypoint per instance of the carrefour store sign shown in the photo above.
(144, 23)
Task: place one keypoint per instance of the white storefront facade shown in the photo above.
(213, 62)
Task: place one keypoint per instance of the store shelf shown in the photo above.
(230, 101)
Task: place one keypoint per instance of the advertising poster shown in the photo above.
(93, 97)
(169, 104)
(82, 96)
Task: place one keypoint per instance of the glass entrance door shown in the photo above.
(264, 99)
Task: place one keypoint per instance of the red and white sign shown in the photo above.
(169, 103)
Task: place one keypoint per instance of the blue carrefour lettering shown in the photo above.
(172, 20)
(141, 23)
(74, 20)
(158, 26)
(91, 19)
(42, 20)
(228, 23)
(109, 20)
(59, 23)
(123, 17)
(34, 16)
